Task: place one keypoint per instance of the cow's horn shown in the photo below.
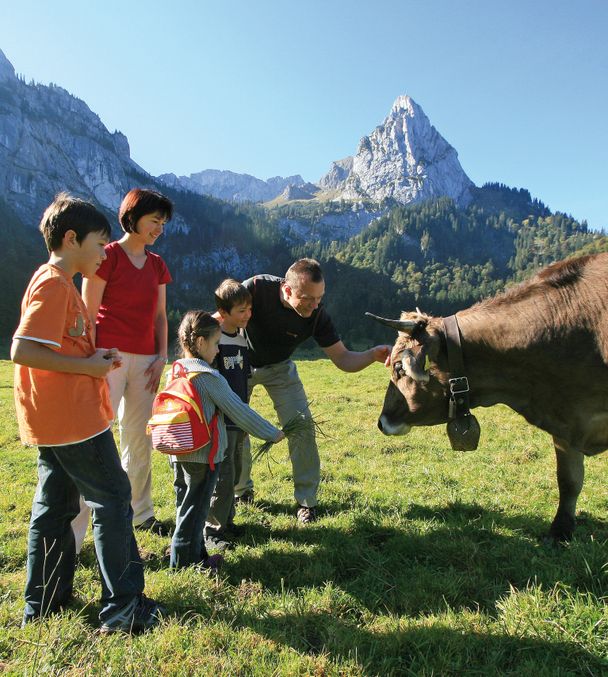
(399, 325)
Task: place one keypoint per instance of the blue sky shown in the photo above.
(519, 88)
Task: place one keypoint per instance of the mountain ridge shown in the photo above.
(232, 186)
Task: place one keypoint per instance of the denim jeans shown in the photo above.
(91, 469)
(194, 484)
(132, 406)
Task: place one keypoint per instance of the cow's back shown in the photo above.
(550, 335)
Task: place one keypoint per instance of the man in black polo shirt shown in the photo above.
(285, 312)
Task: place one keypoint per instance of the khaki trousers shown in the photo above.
(283, 385)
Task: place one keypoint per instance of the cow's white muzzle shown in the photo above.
(389, 429)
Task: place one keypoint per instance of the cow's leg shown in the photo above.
(570, 476)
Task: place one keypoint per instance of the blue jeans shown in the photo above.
(194, 484)
(91, 469)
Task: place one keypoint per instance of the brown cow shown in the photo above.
(541, 348)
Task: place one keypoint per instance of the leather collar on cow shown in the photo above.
(463, 429)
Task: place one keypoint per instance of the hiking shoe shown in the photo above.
(28, 618)
(142, 613)
(153, 525)
(306, 515)
(247, 496)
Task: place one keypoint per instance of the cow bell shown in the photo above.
(463, 433)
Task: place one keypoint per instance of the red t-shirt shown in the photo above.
(125, 319)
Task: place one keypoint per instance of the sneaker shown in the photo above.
(28, 618)
(142, 613)
(247, 496)
(153, 525)
(306, 515)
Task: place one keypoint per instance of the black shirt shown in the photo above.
(275, 331)
(233, 364)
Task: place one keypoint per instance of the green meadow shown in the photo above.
(424, 561)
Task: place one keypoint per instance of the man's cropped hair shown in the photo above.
(140, 202)
(304, 268)
(231, 293)
(71, 213)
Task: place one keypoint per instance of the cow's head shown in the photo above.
(418, 390)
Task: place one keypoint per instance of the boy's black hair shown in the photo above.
(139, 202)
(230, 293)
(71, 213)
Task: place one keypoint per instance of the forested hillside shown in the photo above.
(432, 255)
(22, 251)
(442, 258)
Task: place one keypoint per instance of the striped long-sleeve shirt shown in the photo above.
(216, 393)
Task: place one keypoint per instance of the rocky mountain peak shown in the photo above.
(7, 72)
(405, 103)
(404, 159)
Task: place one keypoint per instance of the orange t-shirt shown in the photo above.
(54, 407)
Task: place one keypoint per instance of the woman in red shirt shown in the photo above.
(126, 301)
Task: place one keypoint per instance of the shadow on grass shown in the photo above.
(417, 651)
(462, 555)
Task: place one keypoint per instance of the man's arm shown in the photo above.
(39, 356)
(349, 360)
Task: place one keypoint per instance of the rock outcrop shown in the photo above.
(405, 159)
(51, 141)
(304, 192)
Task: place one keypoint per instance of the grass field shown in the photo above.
(425, 561)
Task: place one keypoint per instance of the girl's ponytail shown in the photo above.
(194, 324)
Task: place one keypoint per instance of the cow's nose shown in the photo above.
(380, 425)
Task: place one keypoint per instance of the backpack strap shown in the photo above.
(179, 370)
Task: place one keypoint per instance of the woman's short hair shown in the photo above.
(139, 202)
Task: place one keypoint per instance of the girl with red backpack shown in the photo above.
(194, 476)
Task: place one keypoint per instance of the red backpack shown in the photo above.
(177, 425)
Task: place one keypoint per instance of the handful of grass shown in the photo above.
(297, 426)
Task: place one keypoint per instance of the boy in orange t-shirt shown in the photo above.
(63, 407)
